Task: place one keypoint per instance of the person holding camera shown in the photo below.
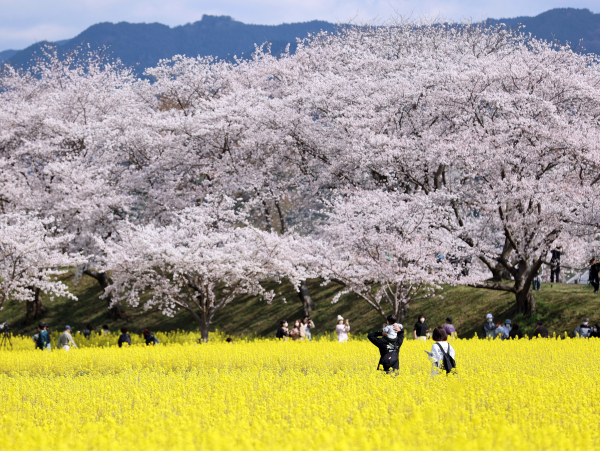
(342, 329)
(308, 326)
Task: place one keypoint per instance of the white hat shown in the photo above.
(340, 318)
(489, 316)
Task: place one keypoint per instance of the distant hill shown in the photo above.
(6, 54)
(143, 45)
(563, 24)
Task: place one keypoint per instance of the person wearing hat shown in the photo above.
(504, 331)
(342, 329)
(65, 341)
(584, 329)
(540, 331)
(449, 328)
(489, 328)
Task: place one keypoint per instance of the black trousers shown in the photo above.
(555, 272)
(595, 284)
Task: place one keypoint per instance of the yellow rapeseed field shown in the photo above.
(321, 395)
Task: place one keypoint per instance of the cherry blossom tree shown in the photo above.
(199, 263)
(497, 127)
(31, 258)
(387, 249)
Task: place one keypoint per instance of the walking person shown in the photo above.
(65, 341)
(283, 331)
(297, 334)
(105, 330)
(149, 338)
(309, 326)
(593, 276)
(555, 264)
(421, 329)
(388, 351)
(449, 328)
(87, 332)
(584, 329)
(440, 348)
(537, 279)
(42, 338)
(124, 338)
(342, 329)
(489, 328)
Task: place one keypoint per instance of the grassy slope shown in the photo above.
(560, 307)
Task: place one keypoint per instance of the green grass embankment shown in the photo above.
(561, 307)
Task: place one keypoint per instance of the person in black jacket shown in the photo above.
(283, 331)
(149, 338)
(388, 351)
(555, 264)
(594, 275)
(540, 331)
(124, 338)
(515, 332)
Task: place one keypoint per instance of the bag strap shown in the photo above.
(442, 348)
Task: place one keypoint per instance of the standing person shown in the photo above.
(584, 329)
(48, 345)
(149, 338)
(515, 332)
(342, 329)
(555, 264)
(420, 330)
(593, 277)
(505, 331)
(537, 279)
(65, 341)
(296, 333)
(42, 338)
(489, 328)
(124, 338)
(595, 332)
(309, 326)
(105, 330)
(449, 328)
(283, 331)
(540, 331)
(87, 332)
(388, 352)
(439, 348)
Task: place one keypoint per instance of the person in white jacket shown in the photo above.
(436, 355)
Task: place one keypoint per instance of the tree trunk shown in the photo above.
(525, 300)
(35, 307)
(401, 312)
(307, 302)
(204, 332)
(499, 272)
(115, 311)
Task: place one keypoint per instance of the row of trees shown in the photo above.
(391, 159)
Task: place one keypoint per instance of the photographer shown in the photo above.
(388, 351)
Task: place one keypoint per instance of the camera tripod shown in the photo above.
(5, 340)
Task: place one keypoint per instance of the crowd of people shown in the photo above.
(66, 341)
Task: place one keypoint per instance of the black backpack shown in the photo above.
(390, 358)
(447, 360)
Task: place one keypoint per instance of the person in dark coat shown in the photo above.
(387, 349)
(515, 332)
(555, 264)
(149, 338)
(283, 332)
(124, 338)
(594, 275)
(540, 331)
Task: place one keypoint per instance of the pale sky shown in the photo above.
(24, 22)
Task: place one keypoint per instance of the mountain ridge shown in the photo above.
(142, 45)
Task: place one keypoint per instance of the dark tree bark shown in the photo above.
(35, 307)
(115, 311)
(307, 303)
